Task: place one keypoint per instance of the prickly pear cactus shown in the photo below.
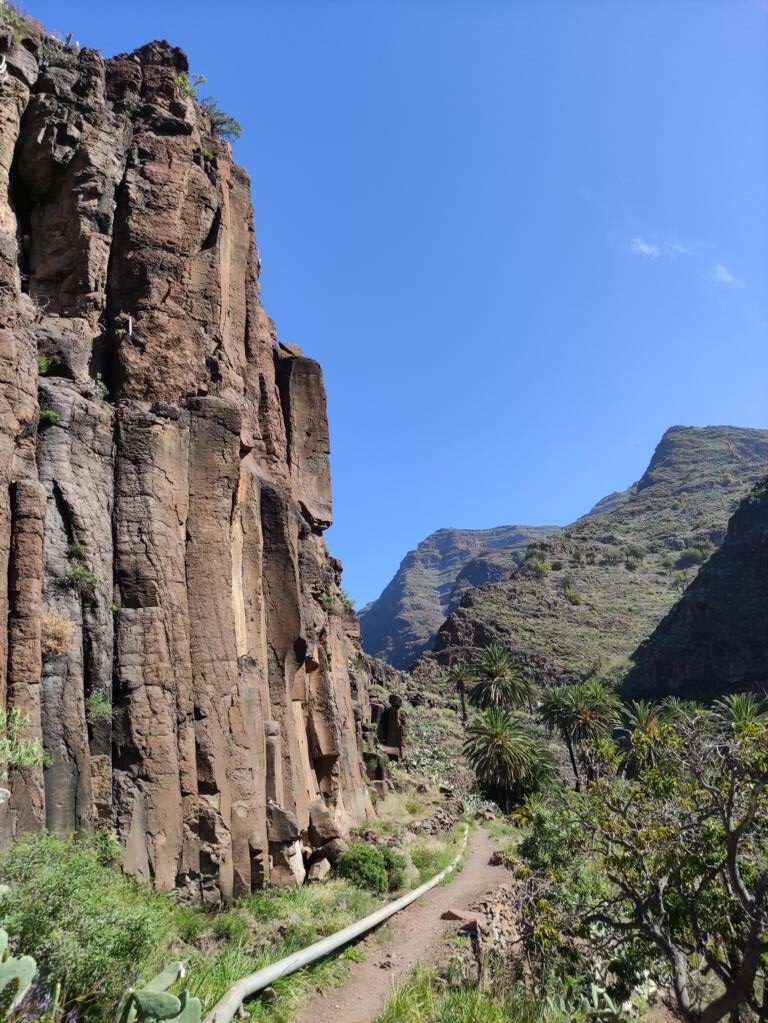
(153, 1002)
(16, 976)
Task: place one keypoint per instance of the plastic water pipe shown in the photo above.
(226, 1007)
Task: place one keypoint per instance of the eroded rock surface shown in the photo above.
(164, 488)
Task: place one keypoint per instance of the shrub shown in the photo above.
(189, 84)
(394, 864)
(44, 363)
(89, 927)
(571, 595)
(11, 16)
(346, 601)
(538, 565)
(56, 634)
(222, 124)
(49, 417)
(97, 708)
(80, 578)
(364, 866)
(16, 751)
(328, 603)
(76, 552)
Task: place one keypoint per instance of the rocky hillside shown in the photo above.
(585, 599)
(173, 627)
(430, 582)
(714, 640)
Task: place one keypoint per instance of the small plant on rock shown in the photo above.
(80, 578)
(97, 708)
(44, 363)
(346, 601)
(56, 634)
(189, 84)
(48, 417)
(16, 751)
(328, 603)
(222, 124)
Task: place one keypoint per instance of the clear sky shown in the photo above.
(523, 237)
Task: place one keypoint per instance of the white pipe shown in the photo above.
(226, 1007)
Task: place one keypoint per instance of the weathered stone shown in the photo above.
(331, 851)
(319, 870)
(281, 824)
(323, 826)
(168, 507)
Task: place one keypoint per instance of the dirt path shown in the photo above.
(417, 937)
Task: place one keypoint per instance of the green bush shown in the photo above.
(90, 928)
(76, 552)
(394, 864)
(97, 708)
(189, 84)
(222, 124)
(364, 866)
(539, 565)
(49, 417)
(79, 577)
(43, 363)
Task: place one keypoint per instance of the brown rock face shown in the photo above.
(164, 488)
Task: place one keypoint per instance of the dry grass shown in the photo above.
(56, 634)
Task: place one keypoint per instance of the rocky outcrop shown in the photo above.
(164, 488)
(585, 599)
(714, 639)
(430, 582)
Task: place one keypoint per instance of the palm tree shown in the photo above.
(579, 714)
(497, 682)
(461, 675)
(674, 709)
(642, 718)
(505, 756)
(740, 710)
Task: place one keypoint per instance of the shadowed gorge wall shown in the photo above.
(164, 488)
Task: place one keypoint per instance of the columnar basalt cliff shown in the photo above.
(164, 488)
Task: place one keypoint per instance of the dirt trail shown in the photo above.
(417, 937)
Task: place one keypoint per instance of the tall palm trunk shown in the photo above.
(462, 697)
(574, 761)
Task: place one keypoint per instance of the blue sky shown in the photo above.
(523, 237)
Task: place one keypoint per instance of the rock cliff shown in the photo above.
(173, 628)
(430, 582)
(714, 640)
(584, 599)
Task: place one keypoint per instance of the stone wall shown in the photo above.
(164, 487)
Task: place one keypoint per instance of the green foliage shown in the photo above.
(538, 565)
(97, 708)
(346, 601)
(207, 154)
(44, 363)
(15, 750)
(222, 124)
(13, 18)
(373, 867)
(90, 928)
(189, 84)
(80, 578)
(695, 554)
(357, 663)
(76, 552)
(328, 603)
(231, 926)
(507, 758)
(497, 682)
(48, 417)
(100, 389)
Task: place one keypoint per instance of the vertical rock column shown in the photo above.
(24, 656)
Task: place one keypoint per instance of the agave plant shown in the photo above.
(497, 682)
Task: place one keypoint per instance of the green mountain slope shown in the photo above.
(402, 623)
(586, 598)
(715, 638)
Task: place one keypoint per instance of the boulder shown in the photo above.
(323, 826)
(319, 870)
